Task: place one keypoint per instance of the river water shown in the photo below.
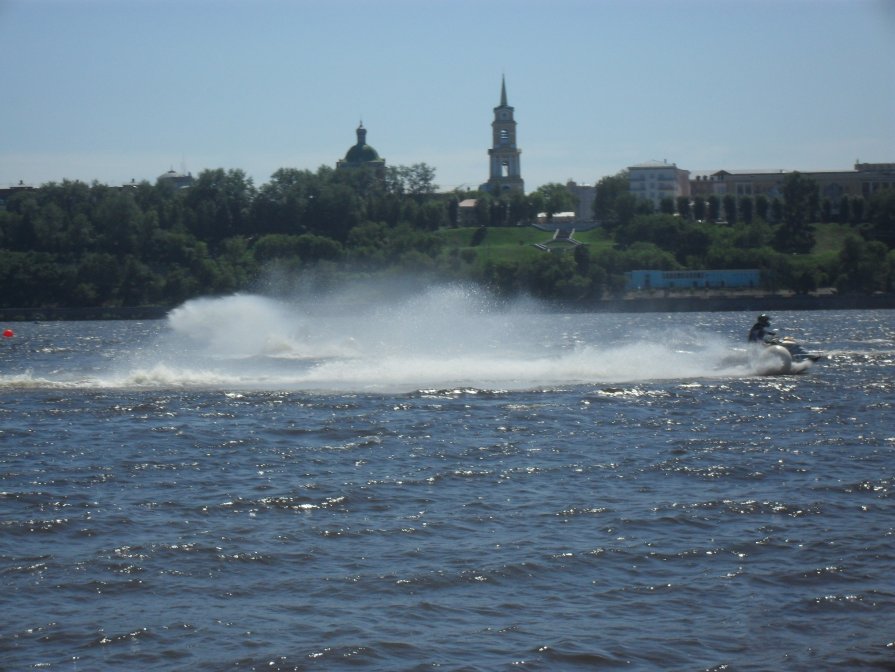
(442, 483)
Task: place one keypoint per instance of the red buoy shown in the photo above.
(7, 333)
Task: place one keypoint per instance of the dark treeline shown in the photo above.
(71, 244)
(74, 244)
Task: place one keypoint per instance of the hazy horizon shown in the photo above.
(114, 92)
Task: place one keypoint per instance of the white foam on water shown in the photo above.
(435, 338)
(438, 338)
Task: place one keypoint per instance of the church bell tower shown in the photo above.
(505, 173)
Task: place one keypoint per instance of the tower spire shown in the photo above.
(504, 154)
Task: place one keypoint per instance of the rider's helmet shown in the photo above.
(764, 319)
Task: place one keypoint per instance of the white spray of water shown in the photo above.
(440, 338)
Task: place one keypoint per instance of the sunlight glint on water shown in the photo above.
(441, 481)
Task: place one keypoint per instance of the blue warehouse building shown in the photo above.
(721, 279)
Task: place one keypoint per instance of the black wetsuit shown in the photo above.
(759, 332)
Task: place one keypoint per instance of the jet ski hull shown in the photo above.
(781, 358)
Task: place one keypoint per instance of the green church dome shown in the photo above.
(362, 153)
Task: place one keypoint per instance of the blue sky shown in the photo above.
(114, 90)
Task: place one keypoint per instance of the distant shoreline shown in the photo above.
(744, 303)
(632, 304)
(82, 314)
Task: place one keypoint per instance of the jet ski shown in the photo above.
(772, 358)
(780, 357)
(796, 350)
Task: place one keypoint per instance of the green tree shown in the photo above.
(276, 246)
(881, 214)
(644, 255)
(857, 210)
(102, 272)
(754, 235)
(863, 266)
(334, 210)
(420, 179)
(500, 211)
(432, 215)
(626, 210)
(173, 248)
(730, 208)
(552, 198)
(281, 205)
(746, 208)
(800, 199)
(582, 259)
(483, 210)
(796, 234)
(606, 200)
(180, 285)
(138, 285)
(762, 206)
(645, 206)
(714, 205)
(236, 257)
(844, 210)
(219, 203)
(501, 277)
(519, 209)
(679, 237)
(554, 276)
(776, 210)
(826, 210)
(700, 208)
(121, 226)
(49, 228)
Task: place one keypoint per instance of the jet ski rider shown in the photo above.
(760, 331)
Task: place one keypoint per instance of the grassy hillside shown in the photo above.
(517, 243)
(830, 237)
(493, 243)
(509, 243)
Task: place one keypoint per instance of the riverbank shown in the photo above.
(633, 303)
(747, 302)
(82, 314)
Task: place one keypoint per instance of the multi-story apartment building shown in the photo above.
(865, 179)
(656, 180)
